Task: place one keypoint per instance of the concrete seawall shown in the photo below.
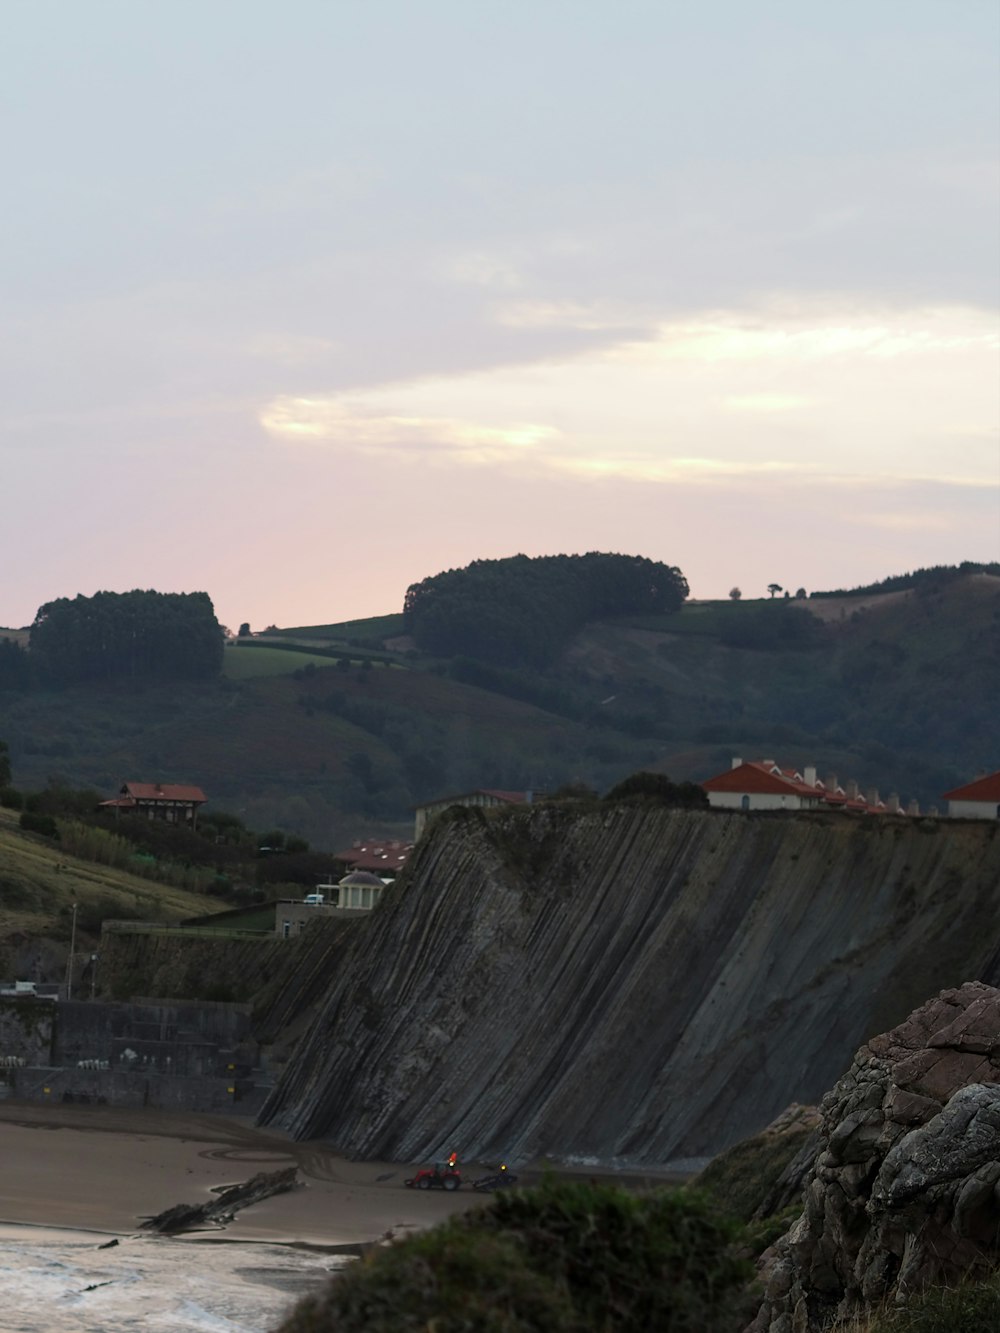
(180, 1055)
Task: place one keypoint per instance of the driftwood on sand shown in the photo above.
(224, 1206)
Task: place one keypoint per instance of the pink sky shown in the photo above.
(303, 305)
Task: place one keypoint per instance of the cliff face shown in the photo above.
(631, 983)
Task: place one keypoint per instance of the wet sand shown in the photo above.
(103, 1169)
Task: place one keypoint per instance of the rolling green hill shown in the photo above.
(38, 884)
(308, 731)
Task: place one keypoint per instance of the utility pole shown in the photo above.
(69, 960)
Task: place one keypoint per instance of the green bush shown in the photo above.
(11, 798)
(44, 825)
(659, 788)
(568, 1257)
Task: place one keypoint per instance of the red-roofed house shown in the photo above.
(482, 796)
(172, 802)
(760, 784)
(976, 800)
(384, 857)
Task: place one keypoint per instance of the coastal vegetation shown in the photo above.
(566, 1257)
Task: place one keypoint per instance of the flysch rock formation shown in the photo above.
(630, 984)
(904, 1190)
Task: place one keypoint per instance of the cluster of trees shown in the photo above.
(133, 636)
(521, 611)
(932, 576)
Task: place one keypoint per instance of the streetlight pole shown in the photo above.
(69, 960)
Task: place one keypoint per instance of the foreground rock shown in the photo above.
(904, 1190)
(226, 1204)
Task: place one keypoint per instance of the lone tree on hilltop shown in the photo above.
(774, 587)
(735, 594)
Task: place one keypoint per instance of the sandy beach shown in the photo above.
(105, 1168)
(76, 1181)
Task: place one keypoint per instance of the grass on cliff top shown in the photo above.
(971, 1307)
(567, 1257)
(39, 883)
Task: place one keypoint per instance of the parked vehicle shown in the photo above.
(442, 1175)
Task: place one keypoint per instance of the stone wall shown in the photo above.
(198, 1057)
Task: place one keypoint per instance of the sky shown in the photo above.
(303, 303)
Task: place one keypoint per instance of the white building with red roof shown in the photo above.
(976, 800)
(761, 784)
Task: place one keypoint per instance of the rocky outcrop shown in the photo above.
(226, 1204)
(904, 1191)
(629, 983)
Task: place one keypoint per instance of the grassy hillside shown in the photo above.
(39, 883)
(896, 689)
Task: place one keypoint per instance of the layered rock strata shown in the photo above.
(627, 983)
(904, 1191)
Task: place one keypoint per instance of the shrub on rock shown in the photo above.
(567, 1257)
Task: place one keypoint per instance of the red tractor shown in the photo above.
(442, 1176)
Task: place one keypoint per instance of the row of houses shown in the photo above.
(762, 784)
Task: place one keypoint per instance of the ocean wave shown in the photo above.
(152, 1284)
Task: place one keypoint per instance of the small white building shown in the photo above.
(976, 800)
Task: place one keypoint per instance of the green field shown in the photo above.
(371, 630)
(248, 663)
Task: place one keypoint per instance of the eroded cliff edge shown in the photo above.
(631, 983)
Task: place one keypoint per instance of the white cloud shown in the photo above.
(339, 424)
(785, 391)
